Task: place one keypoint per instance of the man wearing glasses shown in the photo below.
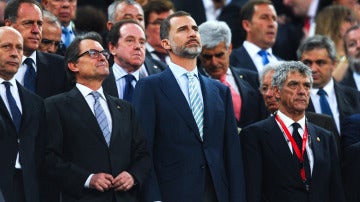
(96, 150)
(51, 34)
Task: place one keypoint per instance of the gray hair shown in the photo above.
(284, 68)
(51, 19)
(112, 8)
(268, 68)
(317, 42)
(214, 32)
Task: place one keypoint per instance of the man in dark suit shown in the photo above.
(22, 126)
(42, 73)
(190, 125)
(272, 105)
(327, 96)
(127, 44)
(287, 158)
(352, 49)
(258, 18)
(96, 149)
(214, 57)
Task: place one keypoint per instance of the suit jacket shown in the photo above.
(350, 130)
(253, 108)
(349, 80)
(180, 157)
(272, 174)
(350, 172)
(77, 147)
(51, 77)
(348, 101)
(30, 146)
(152, 67)
(240, 58)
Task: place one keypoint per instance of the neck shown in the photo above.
(186, 63)
(294, 115)
(92, 84)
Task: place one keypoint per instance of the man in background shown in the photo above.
(51, 33)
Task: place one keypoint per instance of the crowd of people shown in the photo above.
(178, 100)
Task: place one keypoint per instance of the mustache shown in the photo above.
(193, 40)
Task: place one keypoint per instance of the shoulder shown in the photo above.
(49, 56)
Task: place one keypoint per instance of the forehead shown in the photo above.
(264, 8)
(296, 76)
(221, 47)
(353, 34)
(9, 36)
(87, 44)
(131, 29)
(177, 22)
(126, 9)
(317, 53)
(28, 10)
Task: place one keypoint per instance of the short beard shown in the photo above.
(185, 52)
(354, 65)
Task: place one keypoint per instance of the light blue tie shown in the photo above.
(101, 117)
(196, 105)
(324, 104)
(264, 55)
(67, 36)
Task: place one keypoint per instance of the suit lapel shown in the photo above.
(247, 61)
(109, 84)
(316, 146)
(116, 116)
(171, 89)
(77, 105)
(6, 113)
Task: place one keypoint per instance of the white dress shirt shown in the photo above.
(356, 77)
(120, 81)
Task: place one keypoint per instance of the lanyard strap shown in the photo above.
(300, 155)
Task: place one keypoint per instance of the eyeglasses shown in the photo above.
(95, 54)
(48, 42)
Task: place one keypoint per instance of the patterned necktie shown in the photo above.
(324, 104)
(67, 36)
(236, 99)
(298, 141)
(30, 75)
(264, 55)
(14, 110)
(196, 105)
(101, 117)
(129, 89)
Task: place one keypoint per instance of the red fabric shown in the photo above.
(235, 97)
(307, 24)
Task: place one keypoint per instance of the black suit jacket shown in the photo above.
(240, 58)
(30, 146)
(271, 173)
(152, 67)
(77, 147)
(349, 80)
(350, 172)
(348, 101)
(350, 130)
(51, 77)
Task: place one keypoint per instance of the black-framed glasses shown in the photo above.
(95, 54)
(48, 42)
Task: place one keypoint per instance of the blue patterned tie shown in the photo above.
(14, 110)
(30, 75)
(324, 104)
(101, 117)
(196, 105)
(67, 36)
(264, 55)
(129, 89)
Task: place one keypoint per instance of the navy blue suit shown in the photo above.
(349, 80)
(350, 130)
(180, 157)
(240, 58)
(273, 175)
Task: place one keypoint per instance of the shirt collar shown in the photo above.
(288, 121)
(85, 91)
(119, 72)
(32, 56)
(328, 88)
(179, 71)
(253, 49)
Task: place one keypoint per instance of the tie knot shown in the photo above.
(29, 62)
(65, 30)
(7, 84)
(129, 78)
(263, 53)
(223, 78)
(95, 94)
(190, 75)
(321, 92)
(296, 126)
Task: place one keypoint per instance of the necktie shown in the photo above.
(298, 141)
(67, 36)
(264, 55)
(129, 89)
(196, 105)
(161, 56)
(236, 99)
(30, 75)
(14, 110)
(101, 117)
(324, 104)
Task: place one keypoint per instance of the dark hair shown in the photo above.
(114, 33)
(248, 9)
(165, 25)
(317, 42)
(157, 6)
(12, 7)
(73, 51)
